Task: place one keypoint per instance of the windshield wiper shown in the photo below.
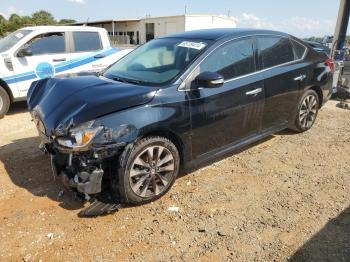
(124, 80)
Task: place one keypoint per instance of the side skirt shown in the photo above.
(222, 151)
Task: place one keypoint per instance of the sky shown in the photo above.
(302, 18)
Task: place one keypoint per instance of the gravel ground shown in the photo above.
(285, 198)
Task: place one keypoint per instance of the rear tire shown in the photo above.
(307, 111)
(148, 172)
(4, 102)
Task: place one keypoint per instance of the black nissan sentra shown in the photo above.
(173, 103)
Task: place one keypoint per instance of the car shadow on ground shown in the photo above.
(287, 132)
(332, 243)
(18, 107)
(30, 169)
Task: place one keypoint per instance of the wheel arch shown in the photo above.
(173, 137)
(5, 86)
(319, 92)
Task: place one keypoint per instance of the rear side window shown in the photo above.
(275, 50)
(50, 43)
(299, 50)
(231, 60)
(86, 41)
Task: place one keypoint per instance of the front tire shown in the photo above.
(307, 111)
(4, 102)
(149, 171)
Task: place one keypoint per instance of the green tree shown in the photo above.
(27, 20)
(43, 18)
(14, 23)
(3, 25)
(315, 39)
(67, 21)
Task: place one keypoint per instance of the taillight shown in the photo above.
(330, 63)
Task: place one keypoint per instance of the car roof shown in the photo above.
(218, 33)
(64, 28)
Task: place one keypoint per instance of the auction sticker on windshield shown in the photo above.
(194, 45)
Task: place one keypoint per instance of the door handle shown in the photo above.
(300, 78)
(254, 92)
(99, 56)
(59, 60)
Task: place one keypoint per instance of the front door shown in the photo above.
(228, 114)
(47, 50)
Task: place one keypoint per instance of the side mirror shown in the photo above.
(23, 52)
(210, 80)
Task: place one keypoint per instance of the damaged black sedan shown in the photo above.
(173, 103)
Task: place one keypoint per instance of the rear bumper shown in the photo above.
(326, 96)
(327, 91)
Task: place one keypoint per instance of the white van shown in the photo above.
(34, 53)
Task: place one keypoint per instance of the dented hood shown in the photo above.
(62, 103)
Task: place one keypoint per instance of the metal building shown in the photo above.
(140, 30)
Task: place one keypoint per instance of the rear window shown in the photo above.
(275, 50)
(86, 41)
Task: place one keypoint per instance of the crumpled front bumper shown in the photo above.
(82, 171)
(83, 174)
(84, 182)
(87, 183)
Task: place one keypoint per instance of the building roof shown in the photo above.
(218, 33)
(63, 27)
(108, 21)
(192, 15)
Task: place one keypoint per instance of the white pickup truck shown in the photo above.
(33, 53)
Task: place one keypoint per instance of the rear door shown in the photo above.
(223, 116)
(284, 74)
(86, 53)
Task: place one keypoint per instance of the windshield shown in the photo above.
(12, 39)
(157, 62)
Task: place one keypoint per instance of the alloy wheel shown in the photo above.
(308, 111)
(152, 171)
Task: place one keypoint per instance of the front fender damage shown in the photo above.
(90, 172)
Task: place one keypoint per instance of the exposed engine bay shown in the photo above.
(90, 175)
(86, 172)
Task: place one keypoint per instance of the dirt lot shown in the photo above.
(285, 198)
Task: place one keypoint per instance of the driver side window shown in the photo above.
(50, 43)
(231, 60)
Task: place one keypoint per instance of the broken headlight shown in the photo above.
(80, 136)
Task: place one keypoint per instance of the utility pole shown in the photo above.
(341, 28)
(337, 52)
